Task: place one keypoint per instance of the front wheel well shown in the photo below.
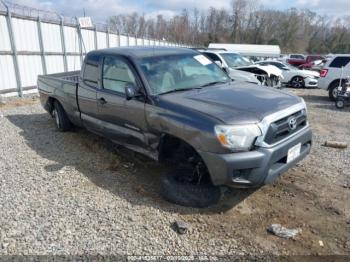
(179, 153)
(296, 77)
(174, 148)
(336, 82)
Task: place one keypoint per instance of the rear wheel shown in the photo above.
(61, 120)
(297, 82)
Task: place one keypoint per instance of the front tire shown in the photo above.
(62, 122)
(177, 189)
(340, 103)
(297, 82)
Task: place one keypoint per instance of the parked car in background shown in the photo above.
(294, 59)
(242, 69)
(334, 74)
(293, 76)
(304, 61)
(175, 105)
(313, 62)
(314, 66)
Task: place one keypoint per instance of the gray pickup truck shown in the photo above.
(176, 105)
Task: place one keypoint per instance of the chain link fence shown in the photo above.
(35, 42)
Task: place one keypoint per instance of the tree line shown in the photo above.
(246, 22)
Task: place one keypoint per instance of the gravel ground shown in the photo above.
(76, 194)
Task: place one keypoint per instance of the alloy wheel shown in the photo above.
(298, 82)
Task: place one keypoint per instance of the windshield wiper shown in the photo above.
(191, 88)
(214, 83)
(179, 90)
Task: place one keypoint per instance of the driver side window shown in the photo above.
(116, 74)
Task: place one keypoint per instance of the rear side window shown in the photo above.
(314, 58)
(340, 61)
(91, 70)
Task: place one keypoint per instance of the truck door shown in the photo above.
(87, 92)
(123, 121)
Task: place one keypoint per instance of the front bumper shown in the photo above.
(258, 167)
(311, 82)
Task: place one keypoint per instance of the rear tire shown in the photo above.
(177, 190)
(62, 122)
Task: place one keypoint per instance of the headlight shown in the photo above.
(237, 138)
(304, 111)
(303, 102)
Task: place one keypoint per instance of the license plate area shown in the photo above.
(293, 152)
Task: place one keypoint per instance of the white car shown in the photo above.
(334, 74)
(295, 77)
(242, 69)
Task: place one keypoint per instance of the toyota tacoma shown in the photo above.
(178, 106)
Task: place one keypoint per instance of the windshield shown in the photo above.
(277, 64)
(235, 60)
(180, 72)
(291, 67)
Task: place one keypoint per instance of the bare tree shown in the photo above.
(245, 22)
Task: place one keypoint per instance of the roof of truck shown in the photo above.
(144, 51)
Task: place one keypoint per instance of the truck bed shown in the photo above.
(71, 76)
(48, 83)
(62, 87)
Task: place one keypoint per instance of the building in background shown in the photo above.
(256, 51)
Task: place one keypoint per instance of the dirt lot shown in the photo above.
(75, 193)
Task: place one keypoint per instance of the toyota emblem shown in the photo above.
(292, 123)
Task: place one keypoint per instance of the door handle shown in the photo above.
(102, 101)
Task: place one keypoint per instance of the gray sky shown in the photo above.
(101, 9)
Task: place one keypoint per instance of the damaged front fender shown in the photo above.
(193, 127)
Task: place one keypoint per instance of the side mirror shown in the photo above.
(131, 91)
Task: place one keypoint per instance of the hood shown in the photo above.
(239, 75)
(235, 103)
(268, 69)
(272, 70)
(306, 73)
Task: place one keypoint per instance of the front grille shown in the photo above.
(282, 128)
